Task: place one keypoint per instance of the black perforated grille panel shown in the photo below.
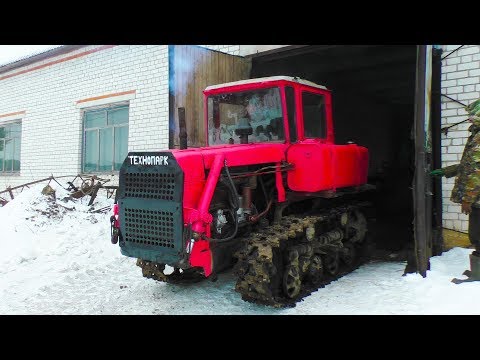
(150, 186)
(150, 200)
(149, 227)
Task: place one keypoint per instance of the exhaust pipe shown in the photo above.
(183, 128)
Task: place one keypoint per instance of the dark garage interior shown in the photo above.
(373, 95)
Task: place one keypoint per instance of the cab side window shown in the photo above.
(314, 115)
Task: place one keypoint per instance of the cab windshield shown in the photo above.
(230, 114)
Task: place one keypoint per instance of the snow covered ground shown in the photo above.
(56, 258)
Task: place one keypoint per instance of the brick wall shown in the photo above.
(45, 100)
(460, 81)
(52, 123)
(229, 49)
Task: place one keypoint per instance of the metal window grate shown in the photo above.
(149, 227)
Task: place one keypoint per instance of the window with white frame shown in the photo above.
(105, 138)
(10, 144)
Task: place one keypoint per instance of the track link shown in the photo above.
(281, 264)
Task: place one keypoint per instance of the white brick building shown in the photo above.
(49, 97)
(460, 81)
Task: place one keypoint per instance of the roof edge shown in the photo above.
(39, 57)
(266, 79)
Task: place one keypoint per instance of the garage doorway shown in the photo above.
(373, 94)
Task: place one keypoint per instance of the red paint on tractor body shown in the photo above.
(115, 215)
(195, 161)
(316, 164)
(320, 167)
(201, 256)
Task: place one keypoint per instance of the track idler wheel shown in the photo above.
(355, 225)
(349, 253)
(332, 263)
(292, 283)
(315, 272)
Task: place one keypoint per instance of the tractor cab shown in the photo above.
(277, 109)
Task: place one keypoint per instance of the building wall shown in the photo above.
(52, 122)
(243, 50)
(460, 81)
(253, 49)
(229, 49)
(45, 99)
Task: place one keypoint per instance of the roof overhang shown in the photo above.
(39, 57)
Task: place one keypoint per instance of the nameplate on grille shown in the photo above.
(148, 160)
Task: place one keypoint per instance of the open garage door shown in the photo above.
(379, 102)
(427, 208)
(191, 70)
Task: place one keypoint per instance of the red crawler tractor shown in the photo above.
(264, 195)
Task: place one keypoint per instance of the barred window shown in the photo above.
(10, 144)
(105, 138)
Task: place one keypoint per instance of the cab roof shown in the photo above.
(266, 79)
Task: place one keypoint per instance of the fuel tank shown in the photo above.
(320, 166)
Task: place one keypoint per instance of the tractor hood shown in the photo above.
(236, 155)
(196, 162)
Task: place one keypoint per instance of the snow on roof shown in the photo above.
(266, 79)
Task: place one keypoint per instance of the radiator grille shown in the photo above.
(160, 186)
(150, 199)
(149, 227)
